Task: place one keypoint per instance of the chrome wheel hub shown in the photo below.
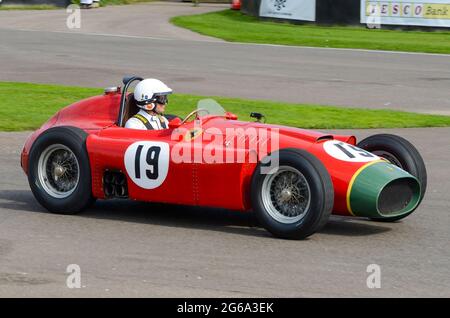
(58, 171)
(286, 195)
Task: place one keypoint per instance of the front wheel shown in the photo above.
(297, 199)
(401, 153)
(59, 172)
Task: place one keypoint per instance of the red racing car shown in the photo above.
(292, 179)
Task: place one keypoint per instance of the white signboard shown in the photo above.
(433, 13)
(303, 10)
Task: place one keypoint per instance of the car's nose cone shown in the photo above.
(380, 189)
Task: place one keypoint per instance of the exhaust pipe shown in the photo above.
(115, 184)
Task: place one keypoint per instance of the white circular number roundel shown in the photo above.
(346, 152)
(147, 163)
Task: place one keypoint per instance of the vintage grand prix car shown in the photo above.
(292, 179)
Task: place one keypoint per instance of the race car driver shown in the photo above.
(151, 97)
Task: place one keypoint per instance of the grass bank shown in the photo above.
(234, 26)
(52, 7)
(28, 7)
(25, 106)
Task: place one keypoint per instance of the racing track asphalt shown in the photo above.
(149, 46)
(137, 249)
(130, 249)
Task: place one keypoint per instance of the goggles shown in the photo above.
(159, 99)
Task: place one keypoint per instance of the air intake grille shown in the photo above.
(396, 196)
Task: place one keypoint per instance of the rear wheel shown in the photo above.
(296, 200)
(401, 153)
(59, 172)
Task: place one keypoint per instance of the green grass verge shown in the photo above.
(52, 7)
(25, 106)
(116, 2)
(28, 7)
(234, 26)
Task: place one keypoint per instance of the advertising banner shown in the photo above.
(433, 13)
(302, 10)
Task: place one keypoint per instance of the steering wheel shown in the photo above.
(194, 112)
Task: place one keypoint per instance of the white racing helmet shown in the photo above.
(149, 91)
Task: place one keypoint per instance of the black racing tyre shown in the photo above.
(59, 173)
(401, 153)
(296, 200)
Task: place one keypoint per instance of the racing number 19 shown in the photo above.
(152, 159)
(352, 151)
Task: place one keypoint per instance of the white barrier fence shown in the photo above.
(303, 10)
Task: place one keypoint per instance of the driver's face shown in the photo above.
(160, 108)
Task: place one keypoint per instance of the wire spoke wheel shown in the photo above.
(58, 171)
(296, 200)
(286, 195)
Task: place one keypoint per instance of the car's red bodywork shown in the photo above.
(225, 185)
